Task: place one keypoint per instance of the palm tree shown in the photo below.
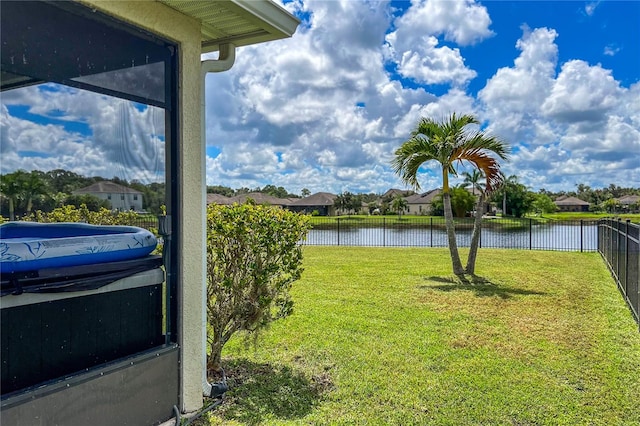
(399, 204)
(507, 183)
(447, 142)
(11, 188)
(475, 180)
(32, 187)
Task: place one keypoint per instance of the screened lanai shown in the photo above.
(147, 57)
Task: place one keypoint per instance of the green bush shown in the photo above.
(83, 214)
(253, 257)
(92, 202)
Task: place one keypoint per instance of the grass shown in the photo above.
(389, 336)
(633, 217)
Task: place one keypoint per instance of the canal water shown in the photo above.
(573, 237)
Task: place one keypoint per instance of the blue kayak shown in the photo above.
(29, 246)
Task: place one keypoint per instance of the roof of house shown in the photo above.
(424, 198)
(241, 22)
(393, 192)
(218, 199)
(317, 199)
(629, 199)
(106, 186)
(570, 201)
(260, 198)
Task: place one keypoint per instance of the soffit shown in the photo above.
(241, 22)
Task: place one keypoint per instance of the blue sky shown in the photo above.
(325, 110)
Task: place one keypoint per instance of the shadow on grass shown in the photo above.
(482, 287)
(258, 391)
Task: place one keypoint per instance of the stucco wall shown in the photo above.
(169, 24)
(121, 201)
(419, 209)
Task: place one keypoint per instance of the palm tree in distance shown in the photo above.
(474, 179)
(507, 183)
(33, 186)
(11, 187)
(399, 204)
(447, 142)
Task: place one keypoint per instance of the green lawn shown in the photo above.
(388, 336)
(633, 217)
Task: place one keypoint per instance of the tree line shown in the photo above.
(23, 192)
(512, 197)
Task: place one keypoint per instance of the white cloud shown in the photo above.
(414, 44)
(578, 125)
(461, 21)
(611, 50)
(512, 98)
(590, 8)
(430, 64)
(582, 93)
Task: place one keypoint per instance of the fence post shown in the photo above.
(626, 260)
(431, 231)
(530, 234)
(384, 232)
(618, 250)
(338, 220)
(581, 233)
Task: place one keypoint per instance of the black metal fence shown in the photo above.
(146, 221)
(529, 234)
(619, 245)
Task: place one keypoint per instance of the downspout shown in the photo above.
(224, 62)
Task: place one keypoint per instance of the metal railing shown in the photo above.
(529, 233)
(146, 221)
(619, 245)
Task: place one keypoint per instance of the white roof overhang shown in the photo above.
(239, 22)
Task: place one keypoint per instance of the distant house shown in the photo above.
(571, 204)
(261, 198)
(320, 202)
(630, 203)
(257, 197)
(420, 204)
(218, 199)
(119, 197)
(393, 193)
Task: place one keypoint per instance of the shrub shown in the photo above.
(83, 214)
(92, 202)
(253, 257)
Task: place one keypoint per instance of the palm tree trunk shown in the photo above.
(12, 215)
(504, 203)
(475, 237)
(451, 233)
